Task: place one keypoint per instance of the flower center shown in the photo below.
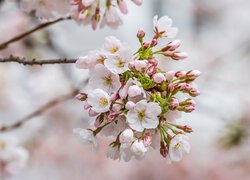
(120, 64)
(141, 115)
(177, 146)
(108, 81)
(114, 50)
(101, 60)
(103, 102)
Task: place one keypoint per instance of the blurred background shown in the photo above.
(216, 36)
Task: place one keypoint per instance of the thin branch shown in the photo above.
(37, 28)
(39, 111)
(25, 61)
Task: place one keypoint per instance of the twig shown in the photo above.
(39, 27)
(39, 111)
(25, 61)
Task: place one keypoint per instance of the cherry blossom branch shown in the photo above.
(34, 61)
(37, 28)
(39, 111)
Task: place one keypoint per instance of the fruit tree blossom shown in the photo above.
(129, 88)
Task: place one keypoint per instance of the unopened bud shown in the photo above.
(130, 105)
(180, 74)
(134, 91)
(159, 78)
(140, 65)
(173, 104)
(81, 96)
(154, 43)
(169, 75)
(193, 74)
(194, 92)
(141, 33)
(163, 149)
(179, 55)
(92, 113)
(127, 136)
(123, 6)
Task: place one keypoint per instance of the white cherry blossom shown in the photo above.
(144, 116)
(104, 79)
(178, 145)
(164, 27)
(99, 100)
(112, 44)
(118, 63)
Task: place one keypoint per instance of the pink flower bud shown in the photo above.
(138, 2)
(146, 45)
(193, 74)
(147, 140)
(116, 107)
(131, 64)
(94, 24)
(181, 86)
(140, 65)
(159, 78)
(153, 62)
(169, 75)
(134, 91)
(127, 136)
(130, 105)
(180, 74)
(174, 45)
(81, 96)
(171, 87)
(141, 33)
(123, 6)
(154, 43)
(173, 104)
(179, 55)
(189, 109)
(92, 113)
(194, 92)
(163, 149)
(86, 106)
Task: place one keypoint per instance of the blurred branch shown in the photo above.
(39, 111)
(25, 61)
(23, 35)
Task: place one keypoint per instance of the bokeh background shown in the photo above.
(216, 36)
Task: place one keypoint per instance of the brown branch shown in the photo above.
(25, 61)
(39, 111)
(23, 35)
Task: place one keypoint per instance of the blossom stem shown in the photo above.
(25, 34)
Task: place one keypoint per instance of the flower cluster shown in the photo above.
(12, 156)
(132, 99)
(82, 11)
